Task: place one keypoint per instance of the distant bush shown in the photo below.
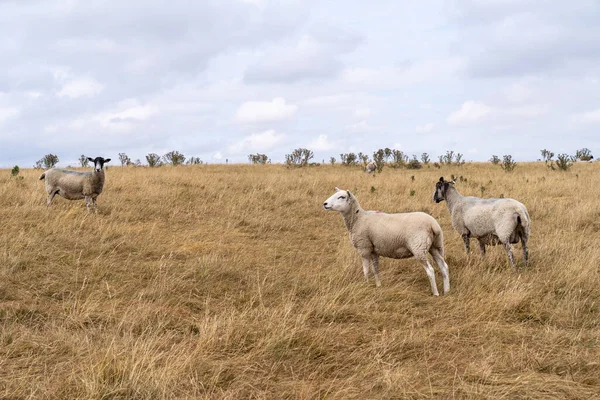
(564, 162)
(332, 160)
(15, 171)
(299, 157)
(451, 158)
(425, 158)
(584, 154)
(124, 159)
(258, 158)
(399, 159)
(363, 158)
(547, 156)
(349, 159)
(153, 160)
(508, 164)
(495, 160)
(47, 162)
(414, 163)
(194, 161)
(174, 158)
(83, 161)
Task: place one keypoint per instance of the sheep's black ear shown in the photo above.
(90, 159)
(349, 194)
(107, 160)
(441, 179)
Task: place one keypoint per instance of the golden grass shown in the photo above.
(232, 282)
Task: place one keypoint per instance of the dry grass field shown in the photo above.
(232, 282)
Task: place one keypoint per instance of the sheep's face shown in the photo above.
(440, 190)
(340, 201)
(98, 162)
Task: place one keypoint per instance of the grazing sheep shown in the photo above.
(371, 167)
(490, 221)
(405, 235)
(74, 185)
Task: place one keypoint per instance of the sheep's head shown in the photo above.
(340, 201)
(441, 187)
(98, 162)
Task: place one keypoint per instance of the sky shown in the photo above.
(221, 79)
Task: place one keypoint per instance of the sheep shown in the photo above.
(74, 185)
(490, 221)
(371, 167)
(374, 234)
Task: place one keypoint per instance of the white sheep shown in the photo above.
(490, 221)
(404, 235)
(371, 167)
(74, 185)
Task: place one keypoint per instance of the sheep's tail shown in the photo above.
(42, 176)
(522, 219)
(438, 237)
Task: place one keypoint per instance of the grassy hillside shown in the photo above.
(232, 282)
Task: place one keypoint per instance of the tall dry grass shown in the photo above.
(232, 282)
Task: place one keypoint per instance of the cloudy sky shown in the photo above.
(221, 79)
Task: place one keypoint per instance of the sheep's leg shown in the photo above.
(50, 197)
(95, 205)
(375, 268)
(443, 267)
(467, 238)
(87, 202)
(482, 248)
(525, 250)
(431, 275)
(508, 249)
(366, 261)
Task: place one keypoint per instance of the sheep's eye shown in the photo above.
(342, 197)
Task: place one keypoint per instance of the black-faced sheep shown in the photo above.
(490, 221)
(75, 185)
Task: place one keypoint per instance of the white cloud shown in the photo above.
(362, 113)
(80, 87)
(470, 112)
(589, 116)
(361, 127)
(124, 119)
(7, 113)
(257, 142)
(265, 111)
(425, 128)
(218, 156)
(321, 143)
(410, 73)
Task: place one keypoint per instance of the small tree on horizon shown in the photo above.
(47, 162)
(299, 157)
(194, 161)
(174, 158)
(258, 158)
(83, 161)
(124, 159)
(584, 154)
(508, 164)
(153, 160)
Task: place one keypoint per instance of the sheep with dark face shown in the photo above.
(374, 234)
(75, 185)
(490, 221)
